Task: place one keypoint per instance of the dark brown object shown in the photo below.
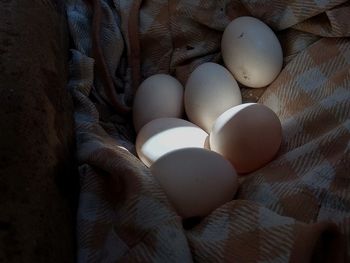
(38, 177)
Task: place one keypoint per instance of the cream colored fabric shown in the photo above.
(293, 209)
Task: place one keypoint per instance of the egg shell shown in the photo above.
(196, 181)
(158, 96)
(164, 135)
(251, 51)
(248, 135)
(210, 90)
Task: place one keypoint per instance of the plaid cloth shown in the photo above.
(296, 208)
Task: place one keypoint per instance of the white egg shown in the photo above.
(210, 90)
(164, 135)
(251, 51)
(158, 96)
(196, 181)
(248, 135)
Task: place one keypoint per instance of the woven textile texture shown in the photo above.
(296, 208)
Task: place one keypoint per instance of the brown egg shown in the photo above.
(248, 135)
(196, 181)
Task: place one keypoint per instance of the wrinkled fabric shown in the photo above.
(296, 208)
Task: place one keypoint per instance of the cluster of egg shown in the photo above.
(196, 161)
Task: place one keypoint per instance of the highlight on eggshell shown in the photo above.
(210, 90)
(164, 135)
(251, 51)
(196, 181)
(248, 135)
(158, 96)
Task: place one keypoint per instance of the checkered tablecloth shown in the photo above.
(296, 208)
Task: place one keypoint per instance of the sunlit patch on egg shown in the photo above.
(164, 135)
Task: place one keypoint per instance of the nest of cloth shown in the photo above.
(296, 208)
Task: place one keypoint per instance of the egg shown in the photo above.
(209, 91)
(251, 51)
(196, 181)
(158, 96)
(164, 135)
(248, 135)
